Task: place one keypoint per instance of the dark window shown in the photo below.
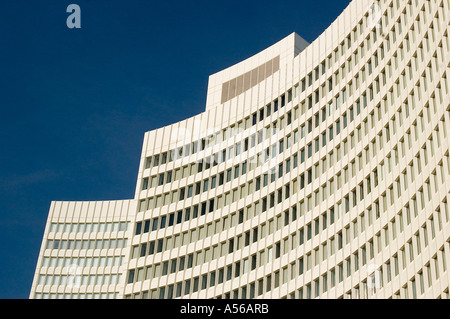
(148, 162)
(131, 276)
(255, 234)
(286, 218)
(162, 292)
(203, 212)
(241, 216)
(221, 273)
(211, 205)
(181, 264)
(300, 266)
(253, 262)
(187, 287)
(182, 192)
(237, 269)
(163, 222)
(155, 224)
(151, 248)
(145, 183)
(229, 273)
(212, 279)
(138, 228)
(173, 266)
(143, 249)
(231, 246)
(160, 245)
(196, 284)
(147, 226)
(195, 213)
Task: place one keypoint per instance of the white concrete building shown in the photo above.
(317, 170)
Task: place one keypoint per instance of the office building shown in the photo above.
(317, 170)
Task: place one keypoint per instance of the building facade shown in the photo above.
(317, 170)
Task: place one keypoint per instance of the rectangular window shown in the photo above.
(145, 183)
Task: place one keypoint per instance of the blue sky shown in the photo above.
(75, 103)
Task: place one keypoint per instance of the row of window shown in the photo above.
(61, 262)
(346, 205)
(322, 193)
(88, 227)
(74, 281)
(270, 152)
(105, 295)
(86, 244)
(210, 141)
(353, 230)
(377, 277)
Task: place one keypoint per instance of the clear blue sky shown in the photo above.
(75, 103)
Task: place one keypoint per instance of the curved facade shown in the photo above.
(316, 171)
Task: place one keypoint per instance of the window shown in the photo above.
(131, 276)
(145, 183)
